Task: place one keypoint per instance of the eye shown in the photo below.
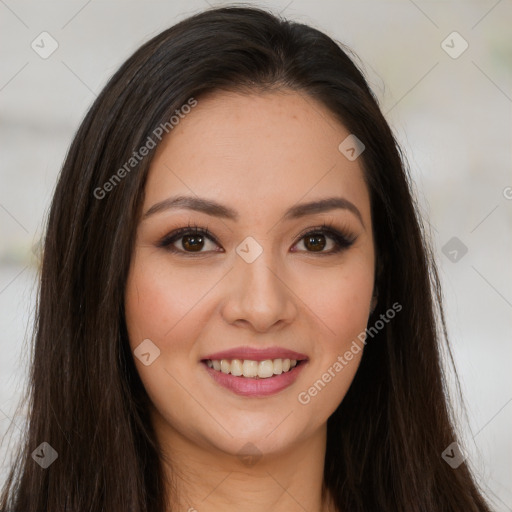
(193, 239)
(314, 239)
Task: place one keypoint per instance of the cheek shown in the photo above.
(160, 303)
(339, 300)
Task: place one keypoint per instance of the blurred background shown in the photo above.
(442, 72)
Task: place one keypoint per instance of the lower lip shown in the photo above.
(246, 386)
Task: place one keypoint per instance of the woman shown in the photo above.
(238, 308)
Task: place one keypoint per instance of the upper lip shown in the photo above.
(256, 354)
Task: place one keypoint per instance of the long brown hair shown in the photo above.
(85, 398)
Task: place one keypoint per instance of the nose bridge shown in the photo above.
(260, 274)
(258, 293)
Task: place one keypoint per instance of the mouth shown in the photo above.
(255, 373)
(252, 369)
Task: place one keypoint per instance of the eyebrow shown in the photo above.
(211, 207)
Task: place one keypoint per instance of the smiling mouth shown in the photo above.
(247, 368)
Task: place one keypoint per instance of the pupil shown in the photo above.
(192, 242)
(315, 246)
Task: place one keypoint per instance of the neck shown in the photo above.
(205, 479)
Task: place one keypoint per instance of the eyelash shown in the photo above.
(342, 241)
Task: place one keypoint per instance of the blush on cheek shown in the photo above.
(168, 310)
(154, 303)
(341, 312)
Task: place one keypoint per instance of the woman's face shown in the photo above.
(267, 287)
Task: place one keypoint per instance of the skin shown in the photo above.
(259, 154)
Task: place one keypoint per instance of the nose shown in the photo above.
(259, 294)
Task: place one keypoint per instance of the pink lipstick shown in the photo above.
(255, 372)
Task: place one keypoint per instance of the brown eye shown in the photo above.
(315, 242)
(193, 240)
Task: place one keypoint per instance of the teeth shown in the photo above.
(250, 368)
(253, 369)
(265, 369)
(237, 368)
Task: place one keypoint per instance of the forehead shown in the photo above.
(269, 149)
